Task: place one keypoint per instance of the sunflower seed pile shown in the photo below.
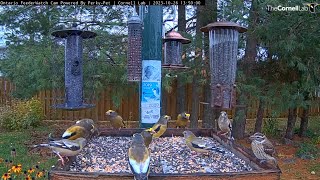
(168, 155)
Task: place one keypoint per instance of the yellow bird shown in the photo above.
(147, 136)
(161, 126)
(84, 128)
(139, 158)
(182, 120)
(65, 147)
(199, 145)
(115, 119)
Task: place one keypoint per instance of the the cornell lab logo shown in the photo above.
(313, 7)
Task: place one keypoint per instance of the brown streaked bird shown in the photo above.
(147, 136)
(139, 158)
(84, 128)
(65, 147)
(199, 145)
(115, 119)
(225, 125)
(182, 120)
(262, 148)
(161, 126)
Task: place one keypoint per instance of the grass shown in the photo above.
(17, 140)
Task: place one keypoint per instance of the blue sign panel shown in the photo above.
(150, 91)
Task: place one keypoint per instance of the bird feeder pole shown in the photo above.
(150, 88)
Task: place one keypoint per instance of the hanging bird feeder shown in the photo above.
(173, 50)
(134, 48)
(73, 67)
(223, 41)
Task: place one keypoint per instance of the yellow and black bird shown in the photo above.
(147, 136)
(182, 120)
(199, 145)
(84, 128)
(115, 119)
(263, 149)
(139, 158)
(65, 147)
(225, 125)
(161, 126)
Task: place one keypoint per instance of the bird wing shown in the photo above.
(268, 147)
(156, 127)
(198, 143)
(139, 160)
(65, 144)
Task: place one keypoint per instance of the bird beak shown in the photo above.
(66, 135)
(188, 116)
(251, 137)
(151, 131)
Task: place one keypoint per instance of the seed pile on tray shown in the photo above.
(168, 155)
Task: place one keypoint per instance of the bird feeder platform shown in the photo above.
(250, 166)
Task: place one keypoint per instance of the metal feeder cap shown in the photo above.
(175, 36)
(223, 24)
(134, 19)
(68, 32)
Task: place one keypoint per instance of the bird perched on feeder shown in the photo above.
(65, 147)
(225, 125)
(161, 126)
(115, 119)
(182, 120)
(262, 148)
(147, 136)
(199, 145)
(139, 158)
(84, 128)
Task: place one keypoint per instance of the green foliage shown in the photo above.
(18, 141)
(34, 63)
(307, 151)
(22, 115)
(270, 127)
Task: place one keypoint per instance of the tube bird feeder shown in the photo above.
(223, 42)
(73, 64)
(173, 50)
(134, 48)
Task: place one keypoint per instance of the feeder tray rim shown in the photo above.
(175, 36)
(134, 19)
(223, 24)
(205, 132)
(68, 32)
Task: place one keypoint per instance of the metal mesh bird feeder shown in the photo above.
(73, 67)
(134, 48)
(223, 41)
(173, 50)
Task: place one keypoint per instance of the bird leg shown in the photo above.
(61, 158)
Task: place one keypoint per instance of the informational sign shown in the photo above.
(150, 91)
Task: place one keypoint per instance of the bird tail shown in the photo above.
(231, 138)
(142, 176)
(40, 145)
(216, 149)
